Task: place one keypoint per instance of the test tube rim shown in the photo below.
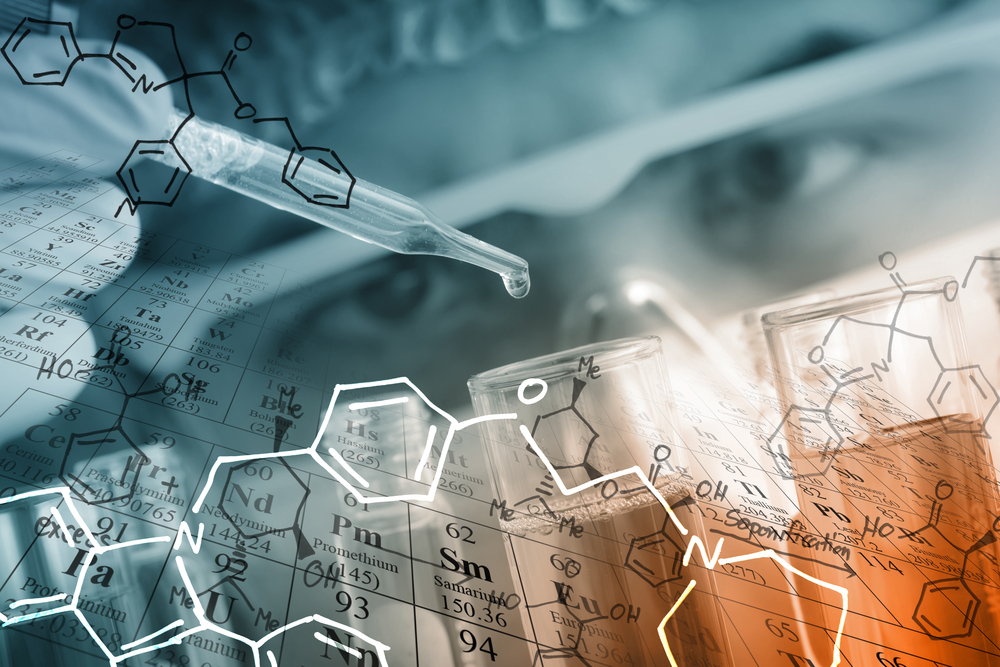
(566, 363)
(854, 304)
(753, 316)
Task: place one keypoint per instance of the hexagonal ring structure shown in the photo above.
(148, 181)
(95, 482)
(820, 441)
(42, 53)
(947, 609)
(300, 176)
(663, 548)
(952, 380)
(271, 479)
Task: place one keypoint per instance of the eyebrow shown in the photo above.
(824, 43)
(813, 47)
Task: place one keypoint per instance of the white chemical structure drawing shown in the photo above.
(352, 480)
(177, 631)
(348, 471)
(694, 541)
(79, 537)
(282, 478)
(256, 646)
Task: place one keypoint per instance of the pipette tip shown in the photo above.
(517, 283)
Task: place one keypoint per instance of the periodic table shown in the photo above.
(117, 341)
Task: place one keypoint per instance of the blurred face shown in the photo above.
(728, 226)
(417, 130)
(725, 226)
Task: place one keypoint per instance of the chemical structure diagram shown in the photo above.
(578, 387)
(947, 607)
(546, 486)
(590, 435)
(288, 482)
(948, 377)
(233, 566)
(661, 544)
(205, 621)
(143, 183)
(122, 460)
(55, 527)
(957, 595)
(353, 481)
(115, 651)
(358, 480)
(639, 544)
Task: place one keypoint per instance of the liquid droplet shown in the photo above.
(517, 283)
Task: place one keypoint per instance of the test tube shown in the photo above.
(991, 268)
(599, 568)
(884, 435)
(751, 334)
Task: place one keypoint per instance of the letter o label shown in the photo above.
(532, 382)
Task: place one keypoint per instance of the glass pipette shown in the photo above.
(255, 168)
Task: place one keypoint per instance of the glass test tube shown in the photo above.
(991, 268)
(601, 567)
(884, 437)
(751, 333)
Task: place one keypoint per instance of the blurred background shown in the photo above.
(730, 152)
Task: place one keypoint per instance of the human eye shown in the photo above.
(741, 187)
(395, 294)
